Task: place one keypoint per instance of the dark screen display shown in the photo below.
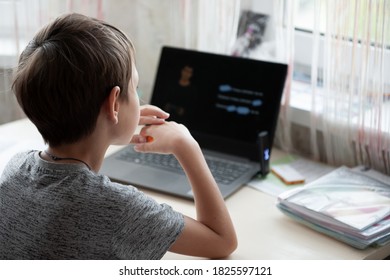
(219, 97)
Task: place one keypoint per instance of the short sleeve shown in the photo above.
(146, 229)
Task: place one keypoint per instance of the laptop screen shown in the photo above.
(224, 101)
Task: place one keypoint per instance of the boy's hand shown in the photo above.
(149, 115)
(167, 138)
(152, 115)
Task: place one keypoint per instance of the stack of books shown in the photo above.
(351, 205)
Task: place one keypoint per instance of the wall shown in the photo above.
(154, 23)
(147, 24)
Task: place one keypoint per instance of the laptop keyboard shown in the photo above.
(224, 171)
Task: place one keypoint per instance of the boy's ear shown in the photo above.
(112, 104)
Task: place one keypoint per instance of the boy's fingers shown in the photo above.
(151, 110)
(151, 114)
(142, 148)
(139, 148)
(150, 120)
(138, 139)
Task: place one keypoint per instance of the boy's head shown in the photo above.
(67, 71)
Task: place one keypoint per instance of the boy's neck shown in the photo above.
(84, 151)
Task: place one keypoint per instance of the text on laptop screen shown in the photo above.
(219, 96)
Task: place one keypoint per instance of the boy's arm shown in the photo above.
(212, 234)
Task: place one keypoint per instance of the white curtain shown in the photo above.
(353, 109)
(350, 87)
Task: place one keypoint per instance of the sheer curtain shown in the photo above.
(354, 109)
(349, 92)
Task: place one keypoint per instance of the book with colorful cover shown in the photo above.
(345, 203)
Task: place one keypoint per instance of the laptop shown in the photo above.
(225, 102)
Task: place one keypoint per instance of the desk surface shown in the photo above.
(263, 231)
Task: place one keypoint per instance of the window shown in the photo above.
(352, 23)
(356, 25)
(305, 16)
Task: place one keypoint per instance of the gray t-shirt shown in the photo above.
(65, 211)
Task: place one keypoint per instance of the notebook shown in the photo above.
(225, 102)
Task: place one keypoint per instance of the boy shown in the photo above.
(76, 81)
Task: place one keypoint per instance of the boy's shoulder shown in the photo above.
(30, 163)
(27, 169)
(22, 156)
(16, 161)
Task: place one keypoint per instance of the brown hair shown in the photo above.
(67, 71)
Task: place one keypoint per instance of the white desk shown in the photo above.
(263, 231)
